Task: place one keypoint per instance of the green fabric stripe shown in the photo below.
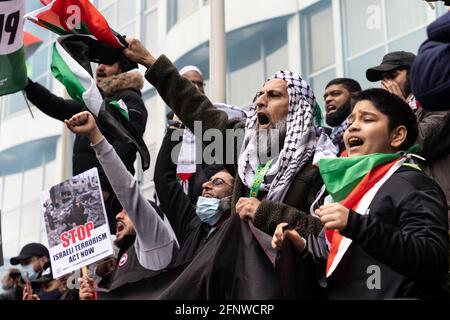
(84, 30)
(53, 28)
(116, 105)
(62, 72)
(341, 175)
(13, 72)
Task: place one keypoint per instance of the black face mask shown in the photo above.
(336, 118)
(50, 295)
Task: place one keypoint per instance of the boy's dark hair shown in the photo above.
(396, 109)
(349, 84)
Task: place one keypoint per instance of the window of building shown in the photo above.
(11, 195)
(275, 51)
(179, 9)
(150, 26)
(26, 170)
(186, 7)
(254, 53)
(31, 219)
(413, 15)
(318, 48)
(245, 71)
(363, 22)
(121, 15)
(10, 229)
(372, 28)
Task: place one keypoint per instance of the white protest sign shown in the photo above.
(76, 223)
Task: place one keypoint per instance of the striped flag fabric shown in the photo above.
(76, 17)
(77, 78)
(354, 181)
(71, 66)
(13, 71)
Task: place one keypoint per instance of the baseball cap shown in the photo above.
(30, 250)
(391, 61)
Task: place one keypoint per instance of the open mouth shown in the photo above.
(263, 119)
(355, 142)
(120, 227)
(331, 108)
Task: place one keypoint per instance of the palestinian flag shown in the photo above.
(354, 181)
(80, 17)
(75, 72)
(71, 65)
(13, 71)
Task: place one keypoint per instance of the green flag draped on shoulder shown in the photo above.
(341, 175)
(354, 182)
(13, 72)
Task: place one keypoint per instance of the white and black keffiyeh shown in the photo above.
(337, 134)
(299, 144)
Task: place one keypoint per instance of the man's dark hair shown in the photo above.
(349, 84)
(396, 109)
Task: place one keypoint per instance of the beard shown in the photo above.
(336, 118)
(270, 141)
(126, 241)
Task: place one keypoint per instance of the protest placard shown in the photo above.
(76, 223)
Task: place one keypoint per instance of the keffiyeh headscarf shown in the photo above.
(337, 134)
(299, 145)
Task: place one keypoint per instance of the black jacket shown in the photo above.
(191, 232)
(404, 235)
(430, 72)
(83, 156)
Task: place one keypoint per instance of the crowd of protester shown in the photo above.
(288, 208)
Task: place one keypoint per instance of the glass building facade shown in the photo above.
(320, 40)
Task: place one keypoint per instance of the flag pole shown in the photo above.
(28, 105)
(218, 51)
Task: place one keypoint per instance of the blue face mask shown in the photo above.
(207, 210)
(29, 269)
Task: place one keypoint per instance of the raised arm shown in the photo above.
(155, 243)
(180, 94)
(173, 201)
(52, 105)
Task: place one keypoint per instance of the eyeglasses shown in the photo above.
(218, 181)
(199, 84)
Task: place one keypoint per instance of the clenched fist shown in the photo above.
(136, 52)
(84, 123)
(333, 216)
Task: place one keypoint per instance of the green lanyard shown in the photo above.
(261, 171)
